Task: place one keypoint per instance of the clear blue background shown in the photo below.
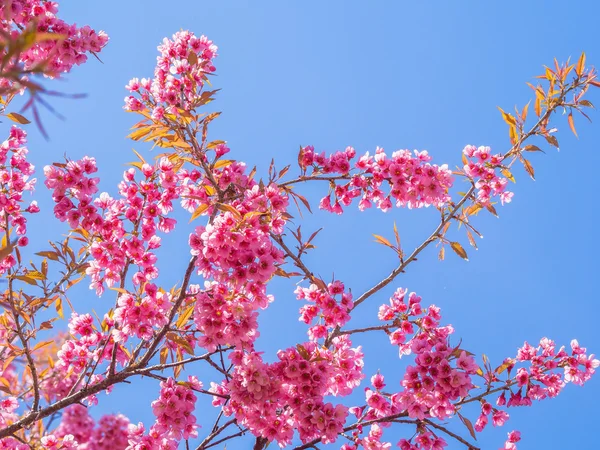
(425, 75)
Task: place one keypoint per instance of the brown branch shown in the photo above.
(182, 294)
(364, 330)
(298, 262)
(451, 434)
(357, 425)
(239, 433)
(214, 434)
(156, 367)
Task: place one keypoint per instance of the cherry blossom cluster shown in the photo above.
(198, 191)
(434, 387)
(425, 440)
(441, 374)
(481, 168)
(323, 304)
(235, 250)
(15, 172)
(144, 205)
(110, 433)
(51, 442)
(174, 417)
(226, 316)
(8, 414)
(140, 315)
(499, 416)
(178, 79)
(549, 371)
(8, 402)
(513, 438)
(370, 442)
(71, 181)
(273, 400)
(54, 55)
(85, 345)
(138, 440)
(410, 180)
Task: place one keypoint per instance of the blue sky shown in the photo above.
(416, 75)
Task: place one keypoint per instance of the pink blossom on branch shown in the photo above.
(150, 330)
(49, 55)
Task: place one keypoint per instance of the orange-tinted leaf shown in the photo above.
(119, 290)
(508, 118)
(459, 250)
(572, 124)
(192, 58)
(538, 107)
(228, 208)
(181, 342)
(222, 163)
(468, 424)
(7, 249)
(501, 368)
(508, 175)
(164, 352)
(199, 210)
(491, 209)
(382, 240)
(184, 317)
(471, 240)
(533, 148)
(26, 279)
(473, 209)
(16, 117)
(36, 275)
(59, 308)
(138, 155)
(524, 113)
(43, 344)
(580, 64)
(140, 132)
(552, 140)
(303, 352)
(529, 168)
(252, 214)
